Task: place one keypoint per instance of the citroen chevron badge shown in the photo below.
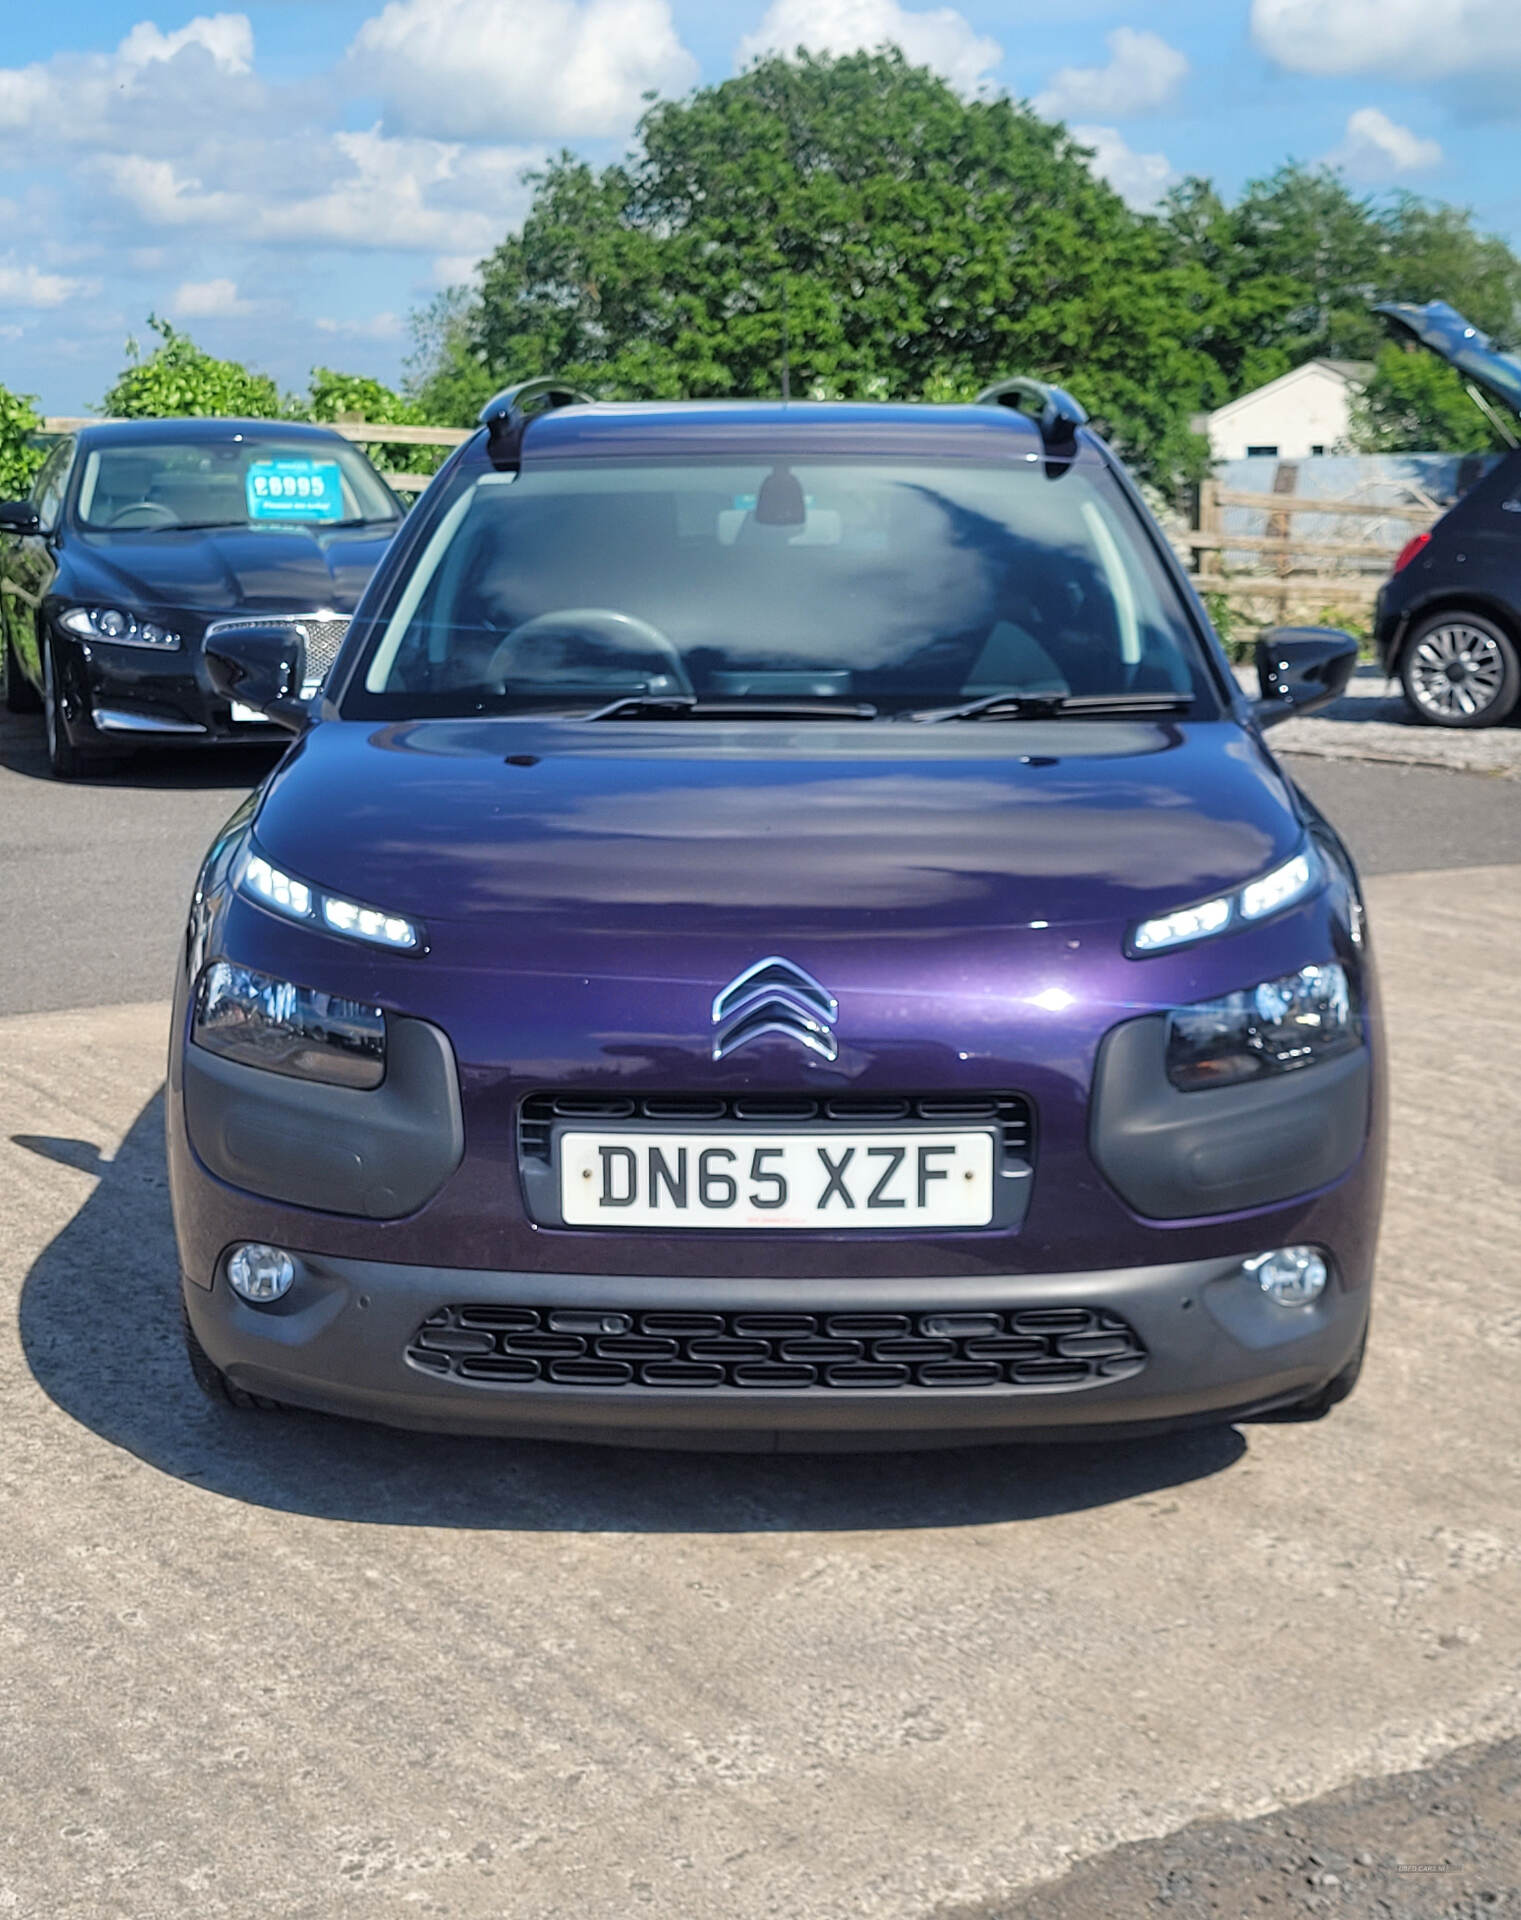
(778, 999)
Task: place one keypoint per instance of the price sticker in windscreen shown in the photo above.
(308, 490)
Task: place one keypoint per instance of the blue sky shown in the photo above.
(290, 179)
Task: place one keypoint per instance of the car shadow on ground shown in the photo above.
(22, 751)
(99, 1323)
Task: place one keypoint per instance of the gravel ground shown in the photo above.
(1441, 1844)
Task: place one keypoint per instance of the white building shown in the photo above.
(1300, 414)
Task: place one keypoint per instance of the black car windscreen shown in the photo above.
(143, 486)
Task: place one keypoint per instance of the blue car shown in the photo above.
(780, 930)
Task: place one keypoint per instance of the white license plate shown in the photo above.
(240, 712)
(834, 1181)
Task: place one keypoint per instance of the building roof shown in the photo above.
(1352, 373)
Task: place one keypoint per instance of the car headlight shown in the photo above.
(1244, 906)
(1272, 1028)
(120, 628)
(265, 1022)
(259, 879)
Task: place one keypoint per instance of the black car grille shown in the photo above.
(1032, 1349)
(1009, 1112)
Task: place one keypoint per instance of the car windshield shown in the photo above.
(158, 486)
(893, 587)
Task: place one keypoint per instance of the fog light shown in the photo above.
(260, 1273)
(1293, 1276)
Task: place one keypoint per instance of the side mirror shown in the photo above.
(19, 516)
(261, 667)
(1300, 669)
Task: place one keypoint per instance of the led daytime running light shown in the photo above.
(259, 879)
(1268, 894)
(121, 629)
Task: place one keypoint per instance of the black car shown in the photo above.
(143, 538)
(1448, 621)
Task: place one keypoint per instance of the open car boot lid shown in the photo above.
(1444, 330)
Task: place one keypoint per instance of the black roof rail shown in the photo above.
(508, 415)
(1053, 410)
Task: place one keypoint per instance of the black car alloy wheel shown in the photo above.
(1461, 670)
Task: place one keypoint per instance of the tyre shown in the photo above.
(211, 1380)
(20, 695)
(65, 761)
(1320, 1403)
(1461, 670)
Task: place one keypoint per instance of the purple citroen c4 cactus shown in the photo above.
(781, 929)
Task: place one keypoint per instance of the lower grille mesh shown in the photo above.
(1032, 1348)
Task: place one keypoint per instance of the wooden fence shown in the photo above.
(1274, 574)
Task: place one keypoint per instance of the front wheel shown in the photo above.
(1461, 670)
(211, 1380)
(1330, 1395)
(65, 761)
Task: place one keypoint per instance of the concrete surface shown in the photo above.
(95, 875)
(261, 1663)
(1440, 1844)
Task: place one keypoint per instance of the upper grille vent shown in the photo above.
(1009, 1112)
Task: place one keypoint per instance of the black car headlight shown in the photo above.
(261, 1021)
(119, 627)
(1276, 1027)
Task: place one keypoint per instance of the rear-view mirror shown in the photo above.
(261, 667)
(18, 516)
(1300, 669)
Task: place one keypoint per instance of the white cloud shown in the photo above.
(361, 190)
(938, 37)
(227, 37)
(162, 196)
(152, 88)
(455, 269)
(28, 286)
(1143, 73)
(420, 195)
(1375, 147)
(479, 69)
(378, 326)
(1140, 179)
(1424, 39)
(25, 93)
(209, 300)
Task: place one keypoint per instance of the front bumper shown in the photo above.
(115, 700)
(1215, 1348)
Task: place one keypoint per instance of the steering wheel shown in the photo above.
(593, 629)
(158, 515)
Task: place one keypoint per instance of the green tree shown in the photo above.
(20, 456)
(1298, 263)
(902, 240)
(906, 243)
(1416, 403)
(178, 378)
(337, 396)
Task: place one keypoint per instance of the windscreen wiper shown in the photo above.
(686, 706)
(1048, 706)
